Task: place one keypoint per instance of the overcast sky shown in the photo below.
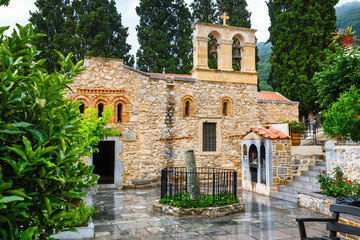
(18, 12)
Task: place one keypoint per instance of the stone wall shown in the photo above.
(302, 157)
(346, 155)
(281, 153)
(277, 111)
(154, 130)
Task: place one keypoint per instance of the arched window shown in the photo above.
(119, 112)
(82, 107)
(225, 108)
(187, 109)
(100, 109)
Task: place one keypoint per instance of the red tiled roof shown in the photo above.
(272, 96)
(268, 133)
(172, 75)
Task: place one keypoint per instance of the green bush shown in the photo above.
(41, 140)
(81, 215)
(336, 185)
(342, 119)
(183, 200)
(296, 127)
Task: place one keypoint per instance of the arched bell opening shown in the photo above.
(213, 51)
(262, 164)
(253, 162)
(236, 54)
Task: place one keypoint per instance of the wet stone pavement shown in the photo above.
(128, 214)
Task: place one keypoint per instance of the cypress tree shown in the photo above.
(299, 33)
(164, 36)
(236, 10)
(83, 27)
(204, 11)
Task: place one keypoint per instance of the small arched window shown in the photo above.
(100, 109)
(82, 107)
(119, 112)
(187, 109)
(225, 109)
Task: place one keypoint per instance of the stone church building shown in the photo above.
(160, 115)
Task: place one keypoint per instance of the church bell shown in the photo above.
(213, 48)
(236, 52)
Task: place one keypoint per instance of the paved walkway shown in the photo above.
(128, 214)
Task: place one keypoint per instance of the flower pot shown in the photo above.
(295, 139)
(347, 40)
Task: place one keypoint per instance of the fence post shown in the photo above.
(163, 183)
(213, 186)
(235, 183)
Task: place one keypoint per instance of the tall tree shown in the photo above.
(164, 36)
(236, 9)
(84, 27)
(299, 33)
(204, 11)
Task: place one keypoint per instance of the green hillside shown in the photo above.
(348, 14)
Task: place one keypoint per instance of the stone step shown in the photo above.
(304, 185)
(317, 168)
(320, 163)
(308, 179)
(292, 190)
(310, 173)
(284, 196)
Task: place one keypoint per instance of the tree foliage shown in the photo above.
(342, 118)
(264, 65)
(41, 140)
(83, 27)
(299, 33)
(164, 35)
(339, 72)
(204, 11)
(236, 9)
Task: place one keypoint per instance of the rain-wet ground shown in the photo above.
(128, 214)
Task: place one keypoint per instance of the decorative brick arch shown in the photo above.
(125, 109)
(188, 106)
(226, 106)
(100, 99)
(86, 100)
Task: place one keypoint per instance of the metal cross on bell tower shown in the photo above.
(224, 17)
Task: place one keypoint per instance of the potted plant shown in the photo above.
(346, 38)
(296, 129)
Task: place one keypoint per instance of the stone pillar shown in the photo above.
(192, 177)
(248, 62)
(200, 45)
(225, 55)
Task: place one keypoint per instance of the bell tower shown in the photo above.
(232, 43)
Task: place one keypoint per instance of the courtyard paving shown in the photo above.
(128, 214)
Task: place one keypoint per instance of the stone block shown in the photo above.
(129, 137)
(282, 170)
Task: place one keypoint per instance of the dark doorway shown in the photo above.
(253, 162)
(262, 164)
(104, 162)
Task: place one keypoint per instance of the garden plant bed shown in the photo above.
(84, 233)
(199, 212)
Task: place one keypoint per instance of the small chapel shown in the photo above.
(161, 115)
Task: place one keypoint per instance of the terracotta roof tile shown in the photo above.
(272, 96)
(172, 75)
(268, 133)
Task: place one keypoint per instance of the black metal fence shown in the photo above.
(213, 181)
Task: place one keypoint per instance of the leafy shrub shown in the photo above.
(41, 140)
(342, 119)
(336, 185)
(296, 127)
(81, 215)
(183, 200)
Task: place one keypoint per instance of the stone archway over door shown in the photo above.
(118, 164)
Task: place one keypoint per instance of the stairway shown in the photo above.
(301, 184)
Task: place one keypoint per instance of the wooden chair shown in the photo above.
(333, 224)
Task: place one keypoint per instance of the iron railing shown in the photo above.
(213, 181)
